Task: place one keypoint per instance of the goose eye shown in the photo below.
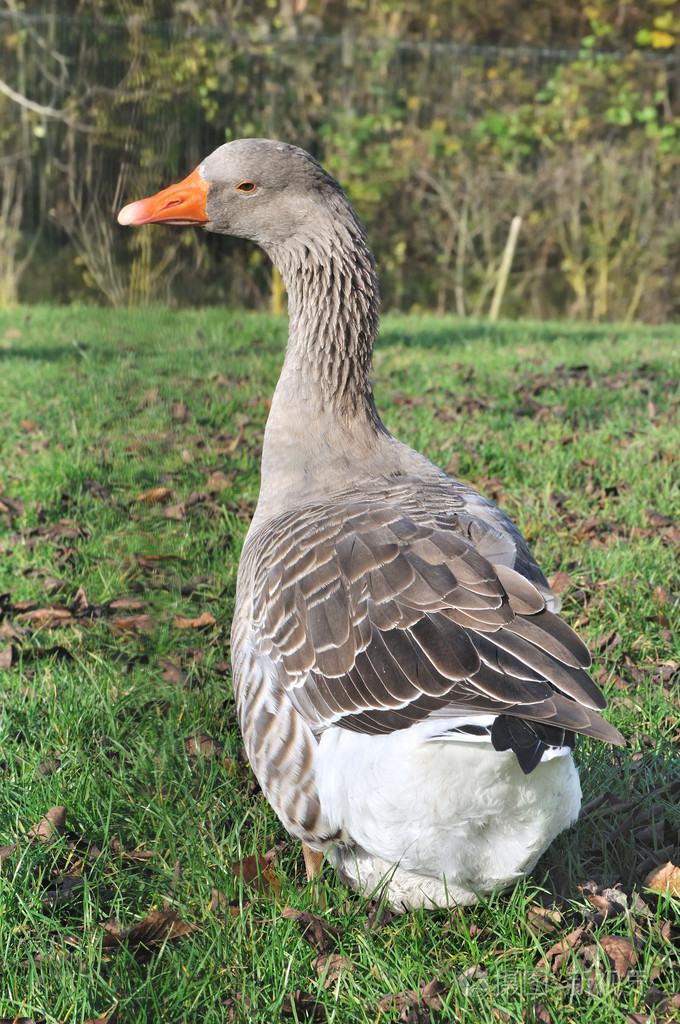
(246, 186)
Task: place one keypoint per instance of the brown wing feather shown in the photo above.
(377, 620)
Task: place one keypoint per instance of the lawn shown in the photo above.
(160, 886)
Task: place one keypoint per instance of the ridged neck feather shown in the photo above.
(333, 308)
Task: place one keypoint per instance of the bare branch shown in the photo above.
(38, 108)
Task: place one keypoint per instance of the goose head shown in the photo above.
(266, 191)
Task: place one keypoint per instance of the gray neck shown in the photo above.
(333, 309)
(323, 426)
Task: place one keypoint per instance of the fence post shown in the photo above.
(504, 270)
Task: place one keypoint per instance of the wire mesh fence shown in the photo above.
(439, 147)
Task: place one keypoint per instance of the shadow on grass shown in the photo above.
(449, 332)
(629, 822)
(47, 353)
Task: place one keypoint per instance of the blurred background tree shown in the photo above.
(444, 121)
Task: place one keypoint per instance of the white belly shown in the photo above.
(441, 821)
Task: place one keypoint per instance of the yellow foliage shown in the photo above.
(662, 40)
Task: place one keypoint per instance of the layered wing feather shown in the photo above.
(372, 615)
(366, 612)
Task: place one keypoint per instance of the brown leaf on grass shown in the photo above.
(21, 1020)
(48, 767)
(177, 512)
(220, 905)
(157, 927)
(330, 966)
(606, 642)
(53, 824)
(315, 930)
(218, 481)
(171, 672)
(11, 632)
(563, 948)
(228, 444)
(156, 496)
(559, 582)
(11, 507)
(205, 619)
(621, 952)
(655, 518)
(133, 624)
(666, 1008)
(180, 510)
(9, 656)
(53, 584)
(7, 851)
(301, 1004)
(605, 904)
(112, 1017)
(257, 873)
(543, 920)
(28, 426)
(80, 605)
(538, 1013)
(237, 1008)
(404, 1002)
(378, 916)
(64, 529)
(98, 491)
(201, 745)
(69, 889)
(125, 604)
(664, 879)
(149, 397)
(196, 583)
(174, 882)
(180, 411)
(47, 618)
(134, 855)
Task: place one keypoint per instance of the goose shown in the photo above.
(407, 693)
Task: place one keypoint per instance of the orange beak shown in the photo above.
(183, 203)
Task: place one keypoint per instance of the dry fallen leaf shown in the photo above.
(404, 1002)
(69, 889)
(256, 872)
(133, 623)
(12, 507)
(47, 618)
(54, 823)
(171, 672)
(301, 1005)
(156, 496)
(543, 920)
(606, 904)
(378, 916)
(559, 582)
(205, 619)
(8, 657)
(180, 411)
(315, 930)
(200, 744)
(664, 879)
(621, 951)
(218, 481)
(330, 966)
(559, 952)
(157, 927)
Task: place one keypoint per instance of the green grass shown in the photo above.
(575, 430)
